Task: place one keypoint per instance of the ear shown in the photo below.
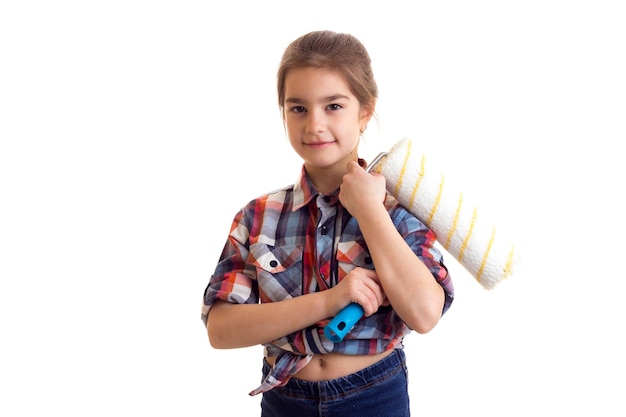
(365, 116)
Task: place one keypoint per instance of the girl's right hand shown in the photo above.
(360, 286)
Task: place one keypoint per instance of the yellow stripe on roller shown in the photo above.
(509, 263)
(435, 206)
(467, 237)
(486, 255)
(455, 222)
(416, 186)
(403, 171)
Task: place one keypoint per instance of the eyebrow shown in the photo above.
(295, 100)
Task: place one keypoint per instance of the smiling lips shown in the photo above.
(317, 144)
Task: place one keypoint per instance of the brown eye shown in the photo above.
(298, 109)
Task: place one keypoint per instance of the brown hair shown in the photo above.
(335, 51)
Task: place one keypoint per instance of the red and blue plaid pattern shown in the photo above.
(295, 241)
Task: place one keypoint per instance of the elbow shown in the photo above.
(216, 337)
(215, 329)
(424, 324)
(216, 344)
(213, 337)
(426, 317)
(423, 320)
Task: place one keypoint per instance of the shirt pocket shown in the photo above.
(279, 270)
(352, 254)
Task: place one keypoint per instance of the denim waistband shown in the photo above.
(385, 368)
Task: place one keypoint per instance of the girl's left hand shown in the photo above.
(361, 190)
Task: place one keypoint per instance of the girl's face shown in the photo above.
(323, 119)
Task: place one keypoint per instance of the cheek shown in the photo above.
(349, 129)
(292, 131)
(293, 135)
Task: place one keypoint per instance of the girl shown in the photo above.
(295, 257)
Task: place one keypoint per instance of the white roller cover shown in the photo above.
(476, 243)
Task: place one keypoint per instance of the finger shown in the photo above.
(354, 167)
(371, 274)
(375, 286)
(375, 296)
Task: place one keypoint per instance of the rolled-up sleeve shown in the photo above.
(233, 280)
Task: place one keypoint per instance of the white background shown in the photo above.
(132, 131)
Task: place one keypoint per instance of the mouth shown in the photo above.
(317, 145)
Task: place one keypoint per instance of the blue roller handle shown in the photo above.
(343, 322)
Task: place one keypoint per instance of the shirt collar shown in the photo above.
(303, 190)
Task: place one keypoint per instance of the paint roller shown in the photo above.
(484, 251)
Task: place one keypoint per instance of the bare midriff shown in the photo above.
(334, 365)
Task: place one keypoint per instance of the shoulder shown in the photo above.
(402, 218)
(395, 209)
(278, 197)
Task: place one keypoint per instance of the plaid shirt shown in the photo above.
(296, 241)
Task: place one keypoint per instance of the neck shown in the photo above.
(324, 180)
(327, 179)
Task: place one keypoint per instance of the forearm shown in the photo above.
(408, 284)
(241, 325)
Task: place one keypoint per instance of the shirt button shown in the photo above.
(368, 260)
(324, 230)
(273, 263)
(327, 198)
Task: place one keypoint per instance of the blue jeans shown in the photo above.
(376, 391)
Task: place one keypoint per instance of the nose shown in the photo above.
(315, 122)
